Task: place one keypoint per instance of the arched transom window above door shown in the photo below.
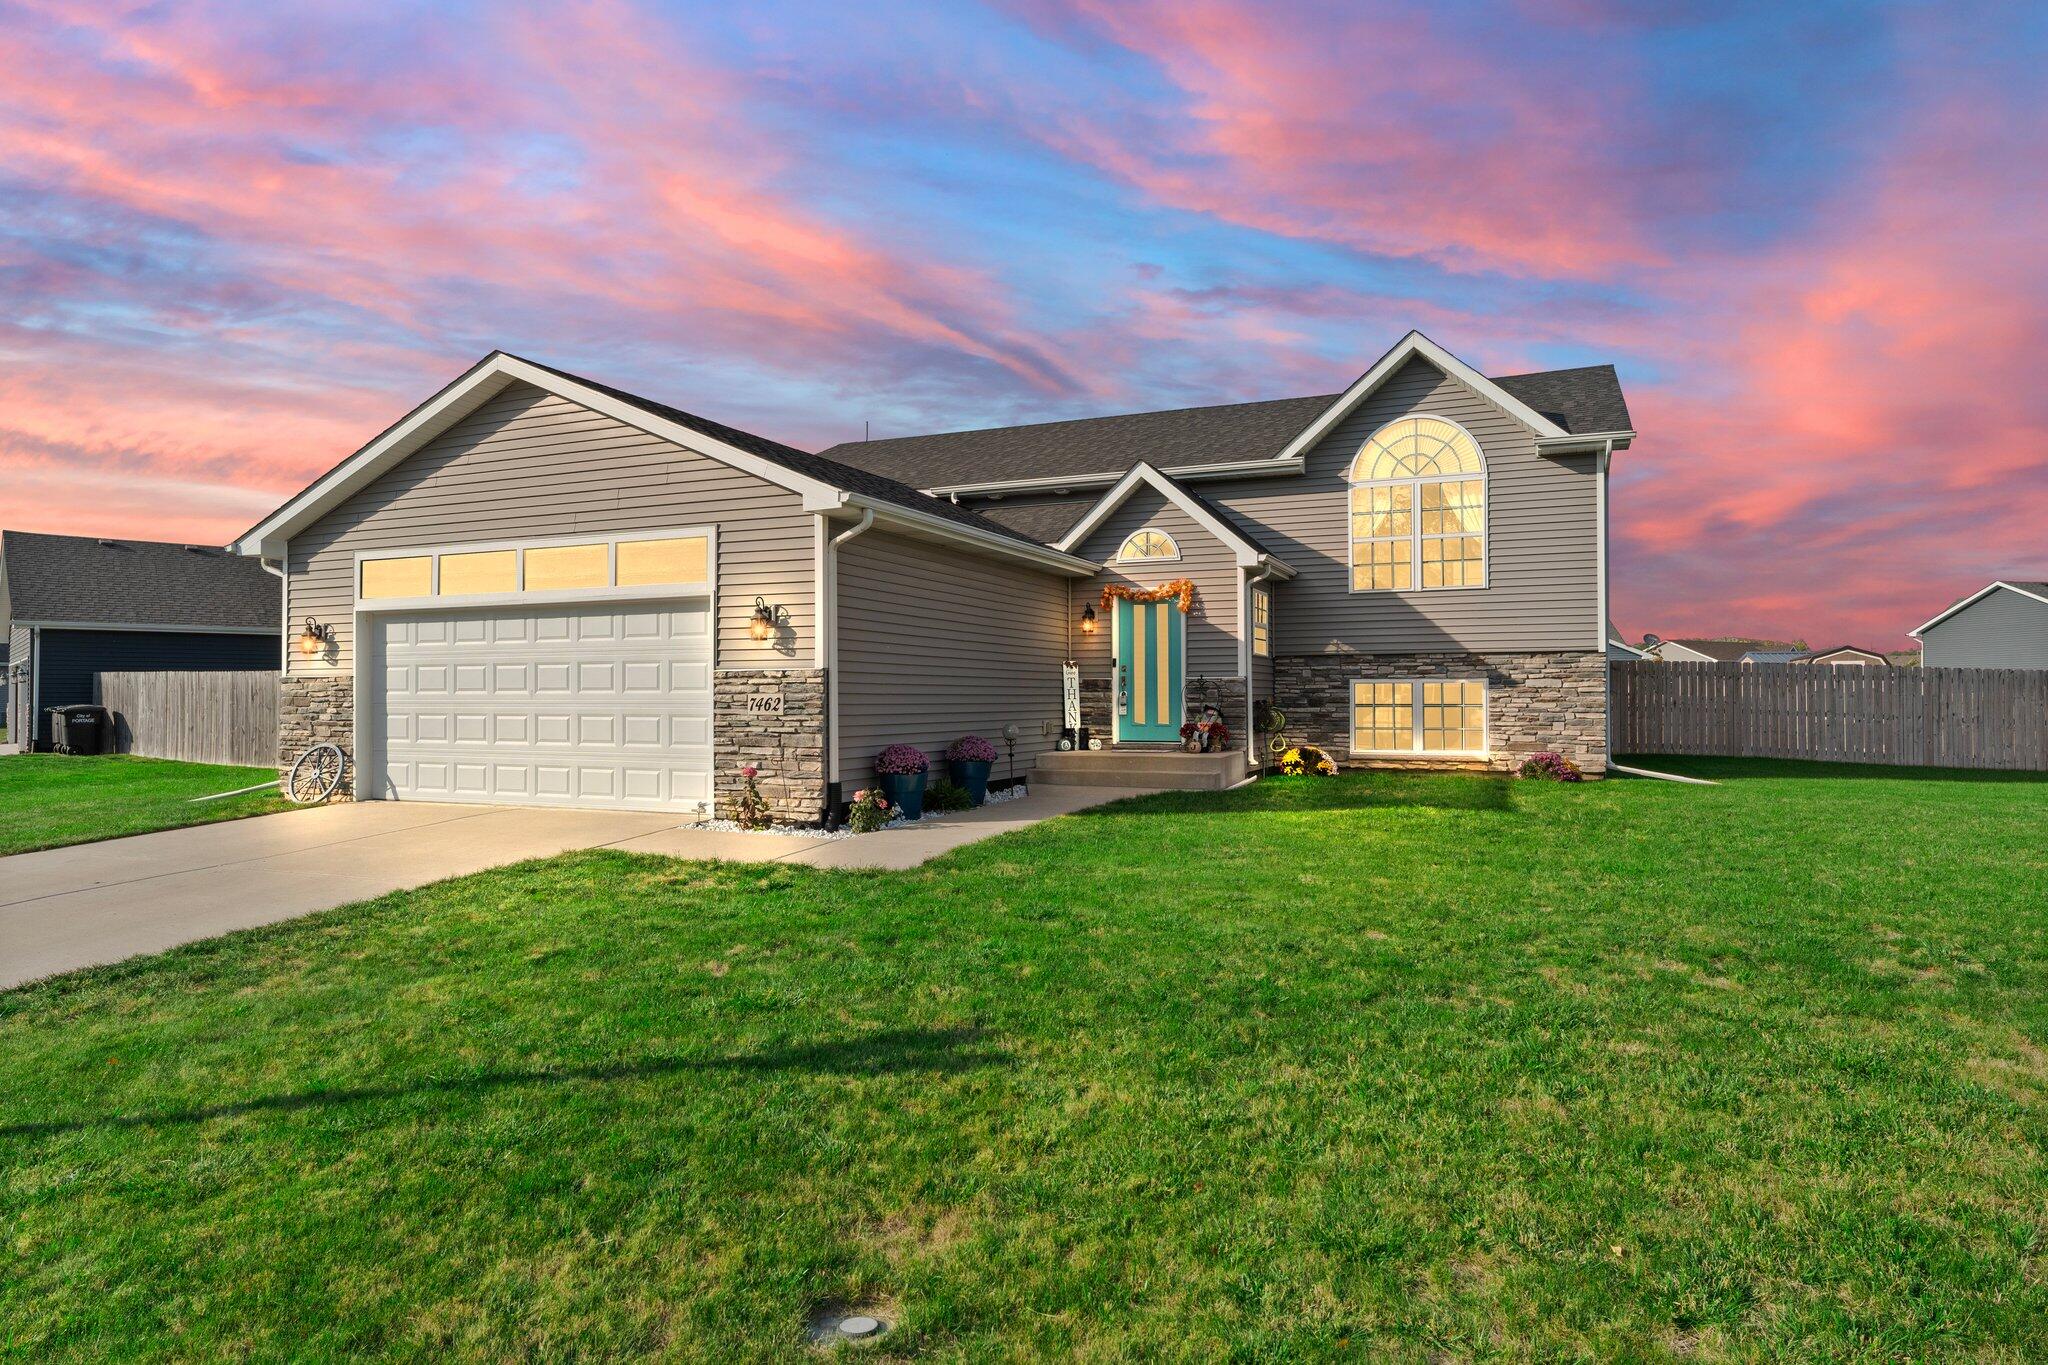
(1147, 544)
(1418, 508)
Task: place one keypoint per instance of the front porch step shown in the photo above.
(1162, 769)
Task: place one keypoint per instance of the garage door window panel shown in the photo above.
(567, 568)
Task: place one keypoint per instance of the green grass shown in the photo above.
(49, 800)
(1398, 1067)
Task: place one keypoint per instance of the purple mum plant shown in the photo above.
(971, 749)
(1551, 767)
(902, 760)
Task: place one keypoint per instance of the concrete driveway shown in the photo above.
(67, 908)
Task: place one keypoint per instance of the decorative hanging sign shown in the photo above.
(1070, 694)
(1180, 590)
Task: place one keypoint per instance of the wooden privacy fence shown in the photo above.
(198, 717)
(1923, 717)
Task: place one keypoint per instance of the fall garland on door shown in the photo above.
(1179, 588)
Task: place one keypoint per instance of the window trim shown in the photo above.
(1415, 718)
(1262, 631)
(1415, 536)
(1164, 534)
(519, 595)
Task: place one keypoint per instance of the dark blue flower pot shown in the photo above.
(905, 792)
(972, 776)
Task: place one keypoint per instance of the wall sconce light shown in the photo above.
(762, 624)
(1088, 619)
(314, 638)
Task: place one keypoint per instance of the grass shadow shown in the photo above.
(1689, 765)
(1478, 792)
(890, 1052)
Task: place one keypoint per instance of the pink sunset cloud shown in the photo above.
(237, 243)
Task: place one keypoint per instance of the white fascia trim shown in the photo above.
(1982, 592)
(897, 515)
(1584, 443)
(1248, 555)
(149, 629)
(1691, 655)
(484, 378)
(1404, 350)
(1058, 483)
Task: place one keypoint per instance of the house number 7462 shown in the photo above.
(770, 705)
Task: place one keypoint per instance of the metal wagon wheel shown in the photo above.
(316, 775)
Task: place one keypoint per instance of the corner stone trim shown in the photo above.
(316, 710)
(1534, 702)
(775, 720)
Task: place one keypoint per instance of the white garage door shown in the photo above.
(606, 707)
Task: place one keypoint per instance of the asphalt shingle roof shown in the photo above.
(844, 476)
(1579, 400)
(135, 582)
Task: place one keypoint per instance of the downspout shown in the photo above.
(35, 686)
(1600, 535)
(284, 583)
(1251, 665)
(828, 621)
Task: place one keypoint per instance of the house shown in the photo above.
(1729, 649)
(75, 607)
(1844, 656)
(539, 589)
(1620, 650)
(2002, 625)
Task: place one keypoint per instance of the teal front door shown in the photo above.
(1148, 672)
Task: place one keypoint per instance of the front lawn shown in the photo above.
(47, 800)
(1398, 1067)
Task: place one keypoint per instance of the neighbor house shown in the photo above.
(74, 607)
(539, 589)
(1844, 656)
(2002, 625)
(1726, 649)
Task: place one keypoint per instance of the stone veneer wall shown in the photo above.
(1533, 701)
(1098, 707)
(317, 710)
(775, 720)
(1098, 704)
(1225, 694)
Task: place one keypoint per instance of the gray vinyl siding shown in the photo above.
(935, 643)
(1542, 549)
(528, 464)
(18, 694)
(1212, 631)
(2003, 629)
(1542, 554)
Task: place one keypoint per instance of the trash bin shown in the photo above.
(79, 729)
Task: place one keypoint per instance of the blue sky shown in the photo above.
(236, 240)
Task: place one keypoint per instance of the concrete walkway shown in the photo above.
(910, 846)
(67, 908)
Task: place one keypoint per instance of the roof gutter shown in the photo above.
(895, 514)
(1585, 443)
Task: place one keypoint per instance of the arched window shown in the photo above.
(1418, 508)
(1148, 544)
